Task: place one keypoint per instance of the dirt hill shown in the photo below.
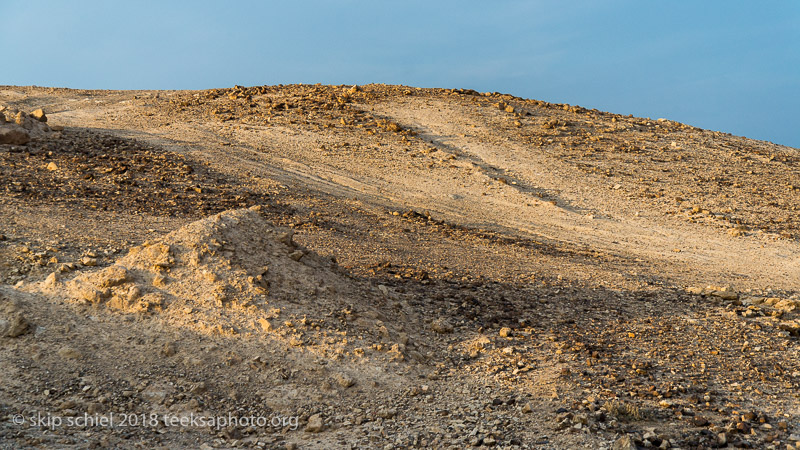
(393, 267)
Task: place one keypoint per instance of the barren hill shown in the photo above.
(392, 267)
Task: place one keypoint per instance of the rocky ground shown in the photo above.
(391, 267)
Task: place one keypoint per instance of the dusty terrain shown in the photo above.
(391, 267)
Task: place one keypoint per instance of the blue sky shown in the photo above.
(724, 65)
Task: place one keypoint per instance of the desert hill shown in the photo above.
(392, 267)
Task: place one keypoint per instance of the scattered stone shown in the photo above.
(169, 349)
(387, 413)
(792, 327)
(344, 380)
(527, 408)
(13, 135)
(159, 280)
(16, 326)
(624, 443)
(265, 325)
(89, 261)
(286, 238)
(22, 119)
(133, 294)
(52, 167)
(441, 326)
(315, 424)
(94, 408)
(69, 353)
(699, 421)
(726, 294)
(39, 115)
(52, 280)
(90, 294)
(505, 332)
(112, 276)
(722, 292)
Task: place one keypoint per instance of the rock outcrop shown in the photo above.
(18, 127)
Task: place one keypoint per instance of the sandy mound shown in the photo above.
(235, 273)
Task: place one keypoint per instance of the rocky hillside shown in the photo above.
(388, 266)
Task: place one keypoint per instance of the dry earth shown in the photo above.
(390, 267)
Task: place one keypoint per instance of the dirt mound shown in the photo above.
(235, 273)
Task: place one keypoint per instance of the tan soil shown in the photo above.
(397, 268)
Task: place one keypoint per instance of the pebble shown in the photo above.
(441, 326)
(88, 261)
(624, 443)
(16, 326)
(286, 238)
(387, 413)
(344, 380)
(69, 353)
(169, 349)
(700, 421)
(159, 280)
(505, 332)
(315, 424)
(265, 324)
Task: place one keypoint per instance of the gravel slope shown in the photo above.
(521, 274)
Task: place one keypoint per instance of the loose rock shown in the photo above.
(441, 326)
(39, 115)
(315, 424)
(14, 135)
(16, 326)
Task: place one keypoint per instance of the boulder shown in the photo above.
(13, 134)
(39, 115)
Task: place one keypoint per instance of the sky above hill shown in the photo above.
(722, 65)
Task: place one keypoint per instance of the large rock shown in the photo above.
(33, 124)
(624, 443)
(23, 120)
(39, 115)
(13, 134)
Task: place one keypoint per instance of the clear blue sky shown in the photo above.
(732, 66)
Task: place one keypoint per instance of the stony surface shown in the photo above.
(392, 267)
